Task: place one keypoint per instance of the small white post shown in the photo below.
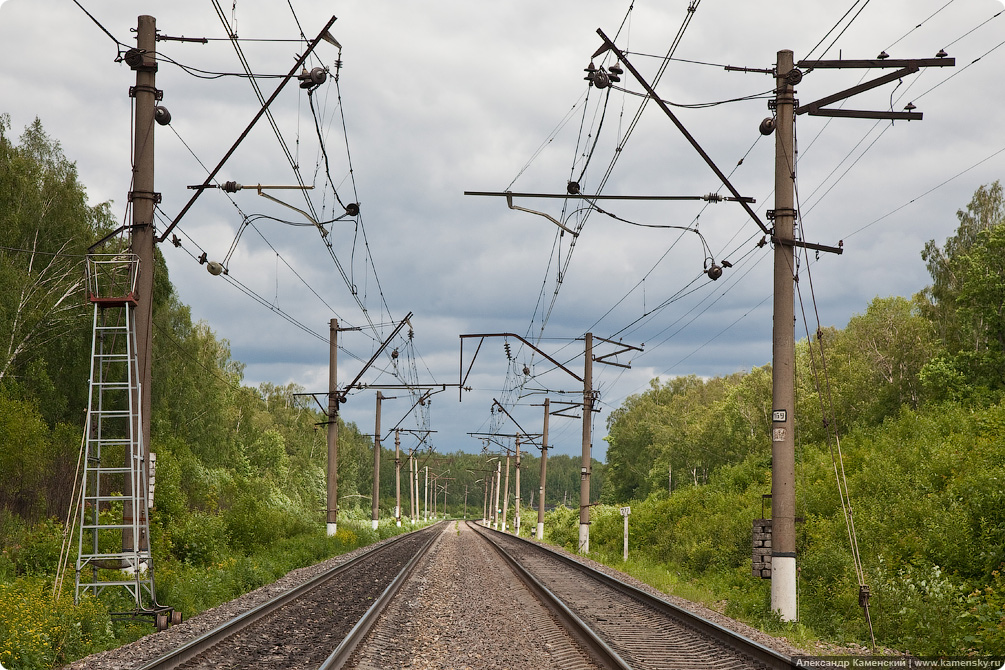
(625, 511)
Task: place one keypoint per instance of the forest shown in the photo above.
(905, 404)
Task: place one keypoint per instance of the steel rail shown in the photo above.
(347, 646)
(193, 648)
(728, 638)
(599, 651)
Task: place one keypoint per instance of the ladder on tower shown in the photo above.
(114, 529)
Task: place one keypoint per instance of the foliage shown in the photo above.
(45, 228)
(38, 632)
(949, 269)
(676, 433)
(965, 302)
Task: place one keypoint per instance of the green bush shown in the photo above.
(986, 613)
(200, 539)
(39, 632)
(29, 549)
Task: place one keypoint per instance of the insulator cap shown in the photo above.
(162, 115)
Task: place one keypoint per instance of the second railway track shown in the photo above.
(639, 630)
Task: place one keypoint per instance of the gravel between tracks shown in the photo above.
(464, 608)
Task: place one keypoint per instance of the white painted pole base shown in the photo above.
(783, 587)
(399, 523)
(584, 538)
(332, 527)
(374, 524)
(540, 531)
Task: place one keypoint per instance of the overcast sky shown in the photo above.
(436, 98)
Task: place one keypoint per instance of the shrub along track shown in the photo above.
(642, 630)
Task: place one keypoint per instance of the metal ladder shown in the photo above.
(114, 529)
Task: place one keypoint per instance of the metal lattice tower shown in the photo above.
(114, 540)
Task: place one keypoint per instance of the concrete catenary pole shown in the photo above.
(331, 518)
(485, 503)
(425, 497)
(584, 487)
(516, 507)
(495, 510)
(375, 502)
(142, 239)
(783, 478)
(544, 471)
(397, 478)
(414, 489)
(492, 498)
(412, 493)
(505, 507)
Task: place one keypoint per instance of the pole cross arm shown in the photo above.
(482, 337)
(713, 198)
(324, 408)
(876, 63)
(906, 67)
(624, 348)
(810, 245)
(814, 108)
(560, 411)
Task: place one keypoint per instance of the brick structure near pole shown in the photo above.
(761, 557)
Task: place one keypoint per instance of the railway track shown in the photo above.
(315, 625)
(634, 628)
(459, 606)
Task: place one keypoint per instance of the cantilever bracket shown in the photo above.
(509, 203)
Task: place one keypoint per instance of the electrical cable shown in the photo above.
(764, 95)
(829, 420)
(835, 27)
(268, 112)
(112, 37)
(209, 74)
(937, 11)
(929, 191)
(692, 9)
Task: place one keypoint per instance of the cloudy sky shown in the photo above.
(441, 97)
